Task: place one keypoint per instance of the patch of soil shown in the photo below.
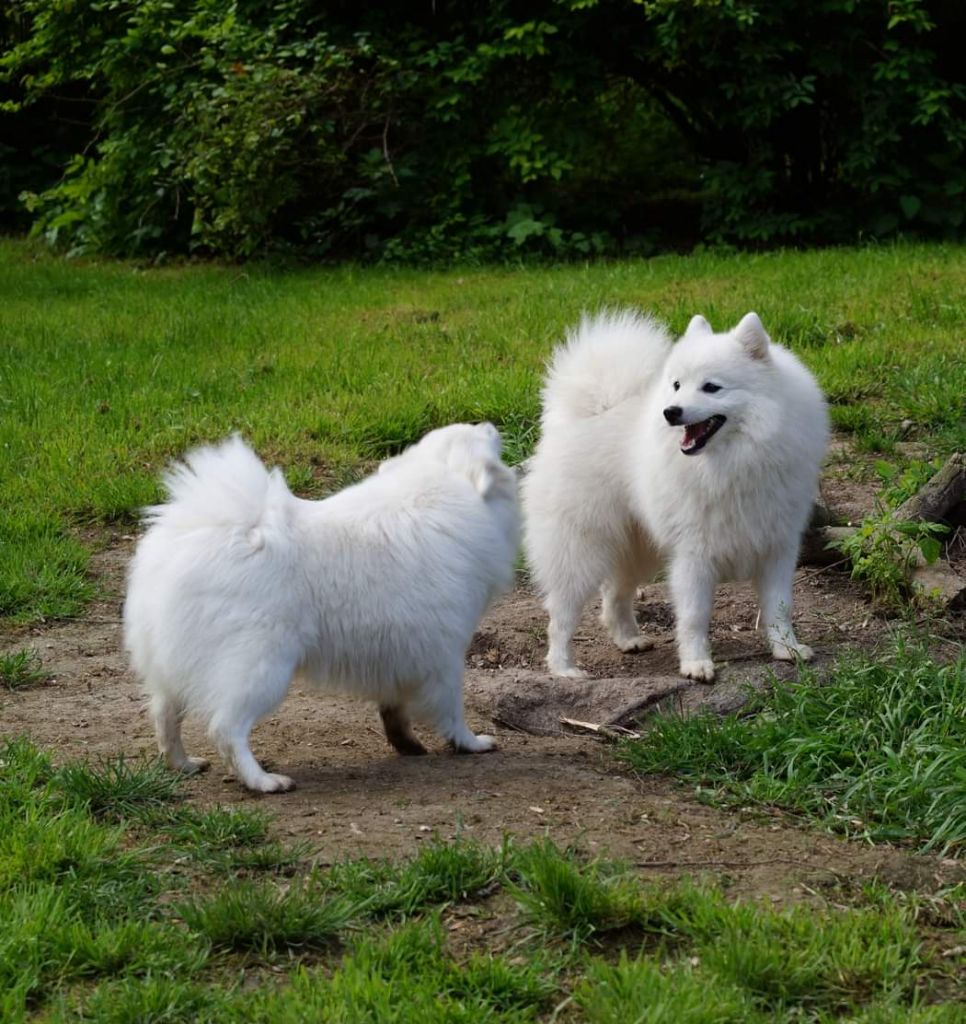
(357, 798)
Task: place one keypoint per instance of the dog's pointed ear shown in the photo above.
(699, 325)
(491, 477)
(752, 337)
(484, 479)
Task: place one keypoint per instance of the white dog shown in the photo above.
(704, 455)
(238, 586)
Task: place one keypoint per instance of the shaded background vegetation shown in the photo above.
(462, 129)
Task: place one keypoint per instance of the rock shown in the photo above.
(941, 582)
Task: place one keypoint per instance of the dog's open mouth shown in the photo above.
(697, 435)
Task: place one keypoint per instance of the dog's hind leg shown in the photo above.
(440, 704)
(399, 730)
(617, 599)
(568, 563)
(237, 714)
(231, 737)
(167, 713)
(773, 583)
(565, 610)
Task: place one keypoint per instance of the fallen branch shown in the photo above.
(937, 500)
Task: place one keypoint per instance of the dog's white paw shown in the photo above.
(476, 745)
(272, 783)
(702, 670)
(637, 643)
(792, 652)
(193, 765)
(566, 671)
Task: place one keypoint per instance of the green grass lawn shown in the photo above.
(122, 903)
(875, 748)
(108, 370)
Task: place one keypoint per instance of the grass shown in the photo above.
(104, 922)
(109, 370)
(568, 899)
(21, 669)
(639, 990)
(788, 960)
(877, 749)
(260, 916)
(118, 788)
(440, 875)
(120, 901)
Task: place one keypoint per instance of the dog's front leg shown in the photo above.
(693, 583)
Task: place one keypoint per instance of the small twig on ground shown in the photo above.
(607, 732)
(510, 725)
(731, 864)
(808, 573)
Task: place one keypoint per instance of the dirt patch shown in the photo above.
(356, 798)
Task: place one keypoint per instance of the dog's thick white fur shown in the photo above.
(703, 456)
(238, 586)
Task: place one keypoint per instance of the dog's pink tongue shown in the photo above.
(691, 434)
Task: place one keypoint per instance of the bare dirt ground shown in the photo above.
(357, 798)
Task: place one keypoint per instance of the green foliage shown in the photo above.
(757, 965)
(226, 841)
(639, 990)
(153, 1000)
(796, 959)
(878, 749)
(118, 788)
(752, 958)
(98, 926)
(569, 898)
(442, 873)
(261, 916)
(884, 550)
(900, 482)
(408, 975)
(21, 669)
(44, 566)
(74, 899)
(465, 130)
(819, 120)
(107, 370)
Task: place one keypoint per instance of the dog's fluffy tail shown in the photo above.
(224, 486)
(608, 358)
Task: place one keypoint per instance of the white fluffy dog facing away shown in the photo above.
(238, 586)
(703, 456)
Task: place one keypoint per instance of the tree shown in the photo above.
(474, 129)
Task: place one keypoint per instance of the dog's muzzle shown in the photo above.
(697, 435)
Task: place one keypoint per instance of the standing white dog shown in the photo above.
(238, 586)
(704, 455)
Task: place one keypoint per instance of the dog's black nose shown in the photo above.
(673, 414)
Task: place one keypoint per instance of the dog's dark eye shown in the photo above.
(710, 388)
(677, 385)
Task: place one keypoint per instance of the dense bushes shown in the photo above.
(474, 129)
